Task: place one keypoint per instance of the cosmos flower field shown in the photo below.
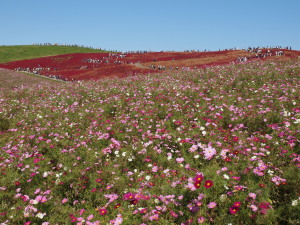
(214, 146)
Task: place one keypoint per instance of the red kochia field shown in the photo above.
(93, 66)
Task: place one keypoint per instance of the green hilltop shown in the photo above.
(21, 52)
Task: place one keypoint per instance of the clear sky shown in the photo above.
(152, 24)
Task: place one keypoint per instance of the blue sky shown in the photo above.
(152, 25)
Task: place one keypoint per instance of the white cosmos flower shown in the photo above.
(295, 202)
(226, 176)
(40, 215)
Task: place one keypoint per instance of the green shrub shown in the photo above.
(4, 124)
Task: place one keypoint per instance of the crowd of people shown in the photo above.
(262, 53)
(69, 45)
(39, 70)
(35, 70)
(250, 49)
(112, 58)
(256, 49)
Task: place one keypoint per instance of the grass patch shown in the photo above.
(21, 52)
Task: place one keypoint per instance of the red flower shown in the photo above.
(117, 205)
(151, 184)
(262, 185)
(264, 205)
(256, 139)
(235, 152)
(134, 202)
(227, 159)
(235, 138)
(197, 184)
(208, 184)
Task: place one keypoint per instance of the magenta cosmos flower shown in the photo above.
(233, 209)
(129, 196)
(102, 211)
(198, 178)
(237, 204)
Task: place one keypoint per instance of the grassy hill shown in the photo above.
(20, 52)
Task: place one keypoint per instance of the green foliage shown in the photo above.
(20, 52)
(4, 124)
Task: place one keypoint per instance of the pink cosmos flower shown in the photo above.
(191, 186)
(212, 205)
(118, 220)
(90, 217)
(111, 197)
(80, 219)
(201, 219)
(41, 198)
(253, 208)
(180, 160)
(209, 152)
(252, 195)
(154, 168)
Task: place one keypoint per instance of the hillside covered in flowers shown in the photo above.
(218, 145)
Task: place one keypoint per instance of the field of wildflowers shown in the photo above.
(214, 146)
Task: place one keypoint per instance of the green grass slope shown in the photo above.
(20, 52)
